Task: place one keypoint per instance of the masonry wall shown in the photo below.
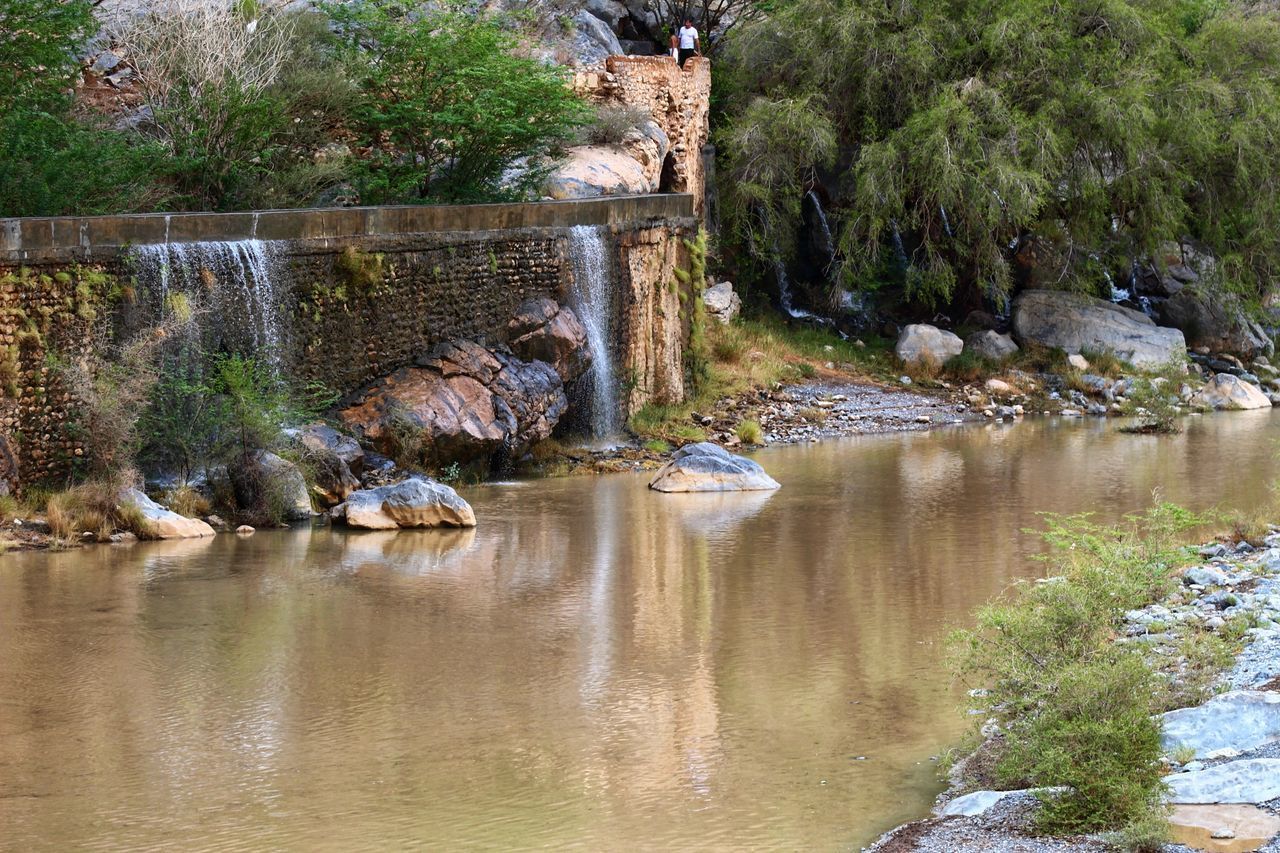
(679, 100)
(359, 301)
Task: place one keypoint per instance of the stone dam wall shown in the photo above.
(340, 297)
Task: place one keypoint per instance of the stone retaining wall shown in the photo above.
(363, 291)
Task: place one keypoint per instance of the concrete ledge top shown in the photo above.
(42, 238)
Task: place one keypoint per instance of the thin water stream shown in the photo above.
(595, 667)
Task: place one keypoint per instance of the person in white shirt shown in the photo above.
(689, 44)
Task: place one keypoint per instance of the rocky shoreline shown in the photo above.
(1223, 755)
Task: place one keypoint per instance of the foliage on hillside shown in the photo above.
(956, 130)
(245, 106)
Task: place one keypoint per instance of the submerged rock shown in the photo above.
(922, 342)
(1075, 322)
(1254, 780)
(162, 523)
(1200, 826)
(707, 467)
(1225, 391)
(416, 502)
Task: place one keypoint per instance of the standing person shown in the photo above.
(689, 44)
(674, 50)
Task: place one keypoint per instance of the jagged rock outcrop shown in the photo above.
(461, 403)
(1075, 322)
(707, 467)
(162, 523)
(543, 330)
(416, 502)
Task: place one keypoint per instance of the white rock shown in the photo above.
(1225, 391)
(416, 502)
(162, 523)
(922, 342)
(721, 302)
(976, 803)
(706, 467)
(1078, 361)
(1241, 720)
(1254, 780)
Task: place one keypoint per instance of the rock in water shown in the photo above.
(922, 342)
(416, 502)
(1241, 720)
(1075, 322)
(1254, 780)
(722, 303)
(1225, 391)
(336, 461)
(542, 330)
(161, 523)
(706, 467)
(262, 474)
(991, 345)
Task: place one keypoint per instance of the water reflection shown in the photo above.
(595, 665)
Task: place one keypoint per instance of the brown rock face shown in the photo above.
(466, 403)
(8, 468)
(544, 331)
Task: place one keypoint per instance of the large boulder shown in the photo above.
(542, 330)
(1225, 391)
(1075, 322)
(162, 523)
(922, 342)
(593, 40)
(707, 467)
(991, 345)
(1174, 267)
(591, 171)
(721, 302)
(262, 479)
(461, 403)
(1239, 721)
(1254, 780)
(1216, 322)
(416, 502)
(336, 460)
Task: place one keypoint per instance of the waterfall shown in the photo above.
(238, 281)
(592, 300)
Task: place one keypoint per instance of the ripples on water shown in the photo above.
(596, 666)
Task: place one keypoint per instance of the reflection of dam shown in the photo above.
(594, 665)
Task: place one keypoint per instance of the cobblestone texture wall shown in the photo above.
(358, 308)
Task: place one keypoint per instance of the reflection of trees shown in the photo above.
(593, 662)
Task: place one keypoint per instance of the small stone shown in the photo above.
(1078, 361)
(1222, 832)
(245, 530)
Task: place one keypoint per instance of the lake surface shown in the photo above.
(595, 667)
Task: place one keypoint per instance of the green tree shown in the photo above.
(964, 127)
(447, 106)
(50, 163)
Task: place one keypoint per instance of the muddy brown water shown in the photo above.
(596, 667)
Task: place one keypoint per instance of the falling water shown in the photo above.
(592, 297)
(238, 280)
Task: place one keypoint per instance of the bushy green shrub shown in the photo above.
(446, 105)
(1075, 709)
